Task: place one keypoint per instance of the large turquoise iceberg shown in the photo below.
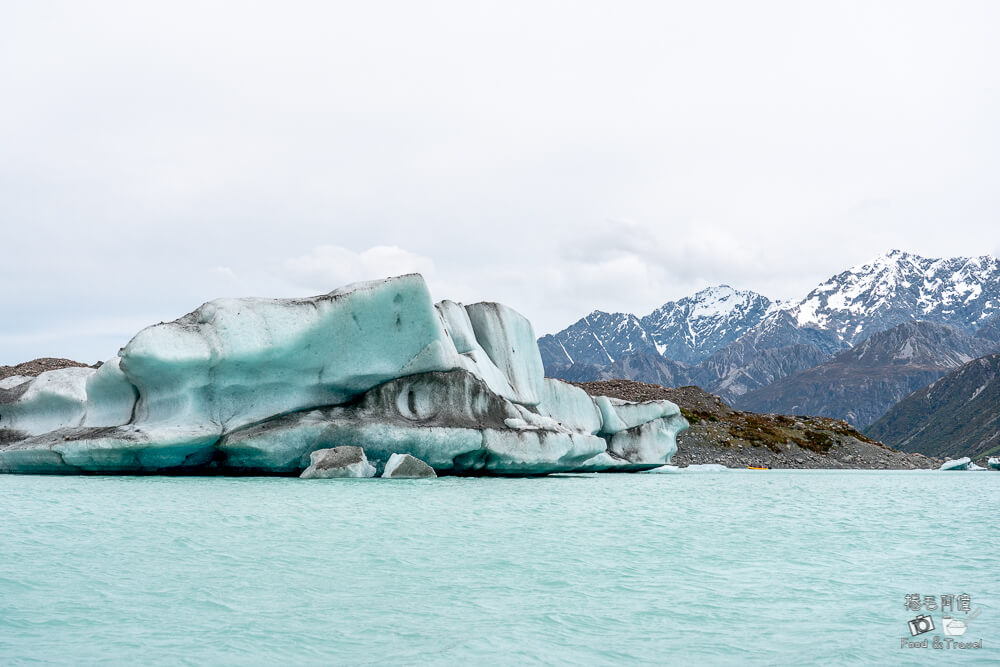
(254, 386)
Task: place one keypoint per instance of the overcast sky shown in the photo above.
(556, 156)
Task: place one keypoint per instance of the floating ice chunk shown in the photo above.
(259, 385)
(404, 466)
(956, 464)
(964, 463)
(343, 461)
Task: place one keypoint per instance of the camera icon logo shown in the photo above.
(920, 625)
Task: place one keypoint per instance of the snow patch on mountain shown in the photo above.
(694, 327)
(898, 286)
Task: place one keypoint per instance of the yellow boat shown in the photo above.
(756, 468)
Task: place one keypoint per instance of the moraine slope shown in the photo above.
(958, 415)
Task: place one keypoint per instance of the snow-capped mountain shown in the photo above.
(738, 341)
(694, 327)
(897, 287)
(599, 338)
(687, 330)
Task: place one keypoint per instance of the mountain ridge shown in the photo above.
(861, 383)
(735, 342)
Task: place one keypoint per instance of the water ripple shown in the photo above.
(798, 567)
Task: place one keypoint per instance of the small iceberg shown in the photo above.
(405, 466)
(993, 462)
(964, 463)
(344, 461)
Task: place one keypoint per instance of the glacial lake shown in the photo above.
(770, 567)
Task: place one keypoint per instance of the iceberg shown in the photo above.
(258, 386)
(964, 463)
(346, 461)
(404, 466)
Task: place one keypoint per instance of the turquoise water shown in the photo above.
(784, 567)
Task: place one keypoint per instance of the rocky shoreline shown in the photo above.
(736, 439)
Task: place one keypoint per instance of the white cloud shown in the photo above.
(648, 151)
(327, 267)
